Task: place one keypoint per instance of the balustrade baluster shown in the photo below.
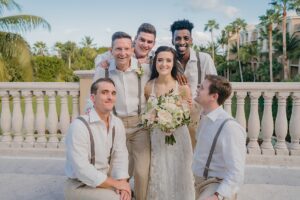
(253, 124)
(295, 125)
(281, 124)
(267, 125)
(227, 104)
(52, 120)
(64, 119)
(75, 104)
(28, 123)
(240, 109)
(6, 138)
(17, 120)
(40, 120)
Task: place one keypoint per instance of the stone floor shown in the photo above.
(42, 178)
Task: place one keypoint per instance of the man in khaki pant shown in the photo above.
(219, 157)
(130, 78)
(96, 153)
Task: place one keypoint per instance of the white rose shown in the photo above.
(164, 117)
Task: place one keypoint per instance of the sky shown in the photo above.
(99, 19)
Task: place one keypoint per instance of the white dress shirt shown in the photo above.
(228, 159)
(127, 87)
(191, 70)
(78, 150)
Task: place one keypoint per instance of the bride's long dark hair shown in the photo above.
(154, 73)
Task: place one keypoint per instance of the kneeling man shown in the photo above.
(219, 157)
(96, 152)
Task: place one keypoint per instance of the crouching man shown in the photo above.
(96, 152)
(219, 157)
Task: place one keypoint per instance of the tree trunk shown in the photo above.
(284, 60)
(69, 61)
(212, 45)
(238, 55)
(271, 52)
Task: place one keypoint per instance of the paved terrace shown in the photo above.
(33, 176)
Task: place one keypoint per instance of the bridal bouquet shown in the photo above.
(166, 113)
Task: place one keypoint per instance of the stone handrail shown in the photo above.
(266, 126)
(31, 129)
(40, 131)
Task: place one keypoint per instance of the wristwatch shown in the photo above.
(220, 197)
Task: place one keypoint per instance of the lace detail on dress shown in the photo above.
(171, 176)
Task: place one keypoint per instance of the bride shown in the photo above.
(171, 176)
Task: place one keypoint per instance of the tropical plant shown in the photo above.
(87, 42)
(267, 20)
(11, 43)
(238, 25)
(292, 45)
(211, 26)
(40, 48)
(283, 6)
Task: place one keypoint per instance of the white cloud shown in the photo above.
(201, 38)
(108, 30)
(70, 31)
(213, 5)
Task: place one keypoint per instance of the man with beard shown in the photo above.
(193, 65)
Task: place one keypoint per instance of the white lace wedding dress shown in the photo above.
(171, 176)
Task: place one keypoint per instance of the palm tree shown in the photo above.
(210, 26)
(87, 42)
(12, 44)
(67, 51)
(283, 6)
(238, 25)
(268, 20)
(40, 48)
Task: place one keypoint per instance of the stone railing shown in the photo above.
(266, 126)
(39, 130)
(22, 127)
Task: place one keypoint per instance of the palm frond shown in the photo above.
(22, 23)
(8, 5)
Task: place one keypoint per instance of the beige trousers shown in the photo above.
(193, 126)
(207, 187)
(75, 190)
(138, 145)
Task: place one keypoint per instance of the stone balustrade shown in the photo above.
(22, 127)
(263, 129)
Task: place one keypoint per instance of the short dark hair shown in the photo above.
(154, 73)
(182, 24)
(147, 28)
(219, 85)
(119, 35)
(94, 86)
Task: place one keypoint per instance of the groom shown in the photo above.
(219, 157)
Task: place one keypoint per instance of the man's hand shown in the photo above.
(104, 64)
(123, 185)
(125, 195)
(182, 80)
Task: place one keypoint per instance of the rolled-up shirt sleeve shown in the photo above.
(120, 154)
(78, 154)
(234, 153)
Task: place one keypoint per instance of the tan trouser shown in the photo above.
(138, 145)
(193, 126)
(207, 187)
(75, 190)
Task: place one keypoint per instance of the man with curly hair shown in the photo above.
(192, 65)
